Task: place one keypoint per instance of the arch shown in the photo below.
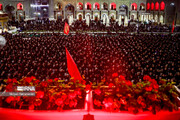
(171, 12)
(88, 6)
(162, 6)
(105, 6)
(113, 6)
(104, 14)
(112, 16)
(133, 6)
(152, 6)
(123, 8)
(96, 16)
(78, 15)
(96, 6)
(161, 19)
(156, 6)
(1, 7)
(142, 6)
(156, 18)
(151, 16)
(69, 12)
(88, 14)
(59, 6)
(148, 6)
(104, 18)
(19, 6)
(69, 7)
(88, 17)
(9, 9)
(20, 17)
(80, 6)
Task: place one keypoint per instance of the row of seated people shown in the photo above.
(46, 24)
(97, 56)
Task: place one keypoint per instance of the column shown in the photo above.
(51, 8)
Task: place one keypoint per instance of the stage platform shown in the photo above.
(13, 114)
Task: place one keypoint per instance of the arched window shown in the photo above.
(88, 6)
(152, 6)
(59, 6)
(133, 6)
(1, 7)
(80, 6)
(113, 6)
(142, 6)
(96, 6)
(105, 6)
(162, 6)
(148, 6)
(157, 6)
(19, 6)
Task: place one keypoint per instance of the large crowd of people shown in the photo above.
(97, 56)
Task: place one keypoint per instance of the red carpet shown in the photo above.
(12, 114)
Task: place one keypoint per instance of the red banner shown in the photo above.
(72, 68)
(172, 27)
(66, 29)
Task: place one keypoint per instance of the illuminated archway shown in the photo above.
(19, 6)
(142, 6)
(133, 6)
(96, 16)
(152, 6)
(104, 18)
(156, 6)
(69, 13)
(80, 6)
(88, 6)
(148, 6)
(79, 16)
(113, 6)
(1, 7)
(161, 19)
(96, 6)
(162, 6)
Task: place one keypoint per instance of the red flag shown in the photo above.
(172, 27)
(72, 68)
(66, 29)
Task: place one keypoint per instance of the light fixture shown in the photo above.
(32, 5)
(172, 4)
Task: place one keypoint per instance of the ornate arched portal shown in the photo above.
(69, 13)
(123, 13)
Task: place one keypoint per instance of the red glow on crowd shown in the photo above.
(12, 114)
